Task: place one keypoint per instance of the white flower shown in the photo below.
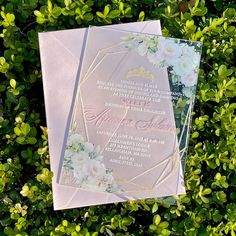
(68, 153)
(154, 58)
(187, 50)
(145, 44)
(183, 67)
(106, 179)
(99, 158)
(79, 159)
(132, 41)
(94, 168)
(94, 184)
(189, 79)
(99, 183)
(152, 42)
(75, 139)
(169, 50)
(88, 147)
(189, 53)
(115, 188)
(142, 49)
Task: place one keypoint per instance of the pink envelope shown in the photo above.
(60, 53)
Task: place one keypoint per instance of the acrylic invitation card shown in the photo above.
(122, 137)
(60, 53)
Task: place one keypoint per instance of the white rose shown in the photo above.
(88, 147)
(68, 153)
(93, 183)
(94, 168)
(189, 53)
(151, 42)
(183, 67)
(187, 50)
(169, 50)
(114, 188)
(75, 139)
(147, 43)
(154, 58)
(106, 179)
(189, 79)
(98, 183)
(79, 159)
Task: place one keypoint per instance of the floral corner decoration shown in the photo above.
(83, 166)
(181, 57)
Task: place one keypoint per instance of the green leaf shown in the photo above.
(40, 20)
(163, 224)
(141, 16)
(13, 83)
(10, 17)
(77, 228)
(67, 2)
(201, 12)
(106, 10)
(156, 219)
(154, 207)
(217, 132)
(195, 135)
(25, 129)
(98, 13)
(17, 131)
(31, 140)
(88, 17)
(204, 199)
(65, 223)
(20, 140)
(38, 13)
(4, 66)
(49, 6)
(165, 232)
(26, 154)
(222, 70)
(114, 14)
(9, 231)
(206, 191)
(56, 12)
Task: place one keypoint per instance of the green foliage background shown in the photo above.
(25, 180)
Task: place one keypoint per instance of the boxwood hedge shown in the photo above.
(209, 206)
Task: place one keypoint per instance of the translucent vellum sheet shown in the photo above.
(125, 133)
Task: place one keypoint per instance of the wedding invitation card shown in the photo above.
(61, 55)
(130, 119)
